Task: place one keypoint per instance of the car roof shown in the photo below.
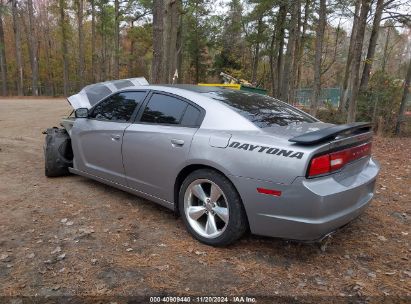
(194, 88)
(219, 116)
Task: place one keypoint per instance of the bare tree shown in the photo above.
(347, 74)
(322, 15)
(257, 50)
(271, 58)
(171, 18)
(3, 62)
(104, 62)
(33, 50)
(296, 59)
(357, 51)
(302, 41)
(64, 45)
(48, 50)
(17, 39)
(180, 44)
(400, 118)
(93, 40)
(372, 45)
(386, 52)
(80, 14)
(288, 76)
(116, 38)
(282, 14)
(157, 64)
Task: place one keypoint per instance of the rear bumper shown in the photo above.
(309, 209)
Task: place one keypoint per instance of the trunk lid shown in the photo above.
(293, 130)
(323, 138)
(319, 133)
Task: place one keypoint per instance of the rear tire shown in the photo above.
(58, 154)
(219, 218)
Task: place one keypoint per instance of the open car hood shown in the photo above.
(93, 93)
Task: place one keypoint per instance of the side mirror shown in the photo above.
(81, 113)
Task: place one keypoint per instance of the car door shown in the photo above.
(156, 145)
(97, 140)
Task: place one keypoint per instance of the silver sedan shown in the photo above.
(227, 161)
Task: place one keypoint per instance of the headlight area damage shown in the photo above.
(58, 153)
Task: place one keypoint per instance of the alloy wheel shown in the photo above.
(206, 208)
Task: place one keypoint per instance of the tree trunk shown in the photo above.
(17, 38)
(257, 51)
(116, 39)
(372, 45)
(47, 50)
(348, 66)
(80, 9)
(64, 46)
(93, 41)
(385, 54)
(271, 57)
(3, 62)
(288, 61)
(282, 14)
(157, 64)
(130, 65)
(295, 53)
(104, 63)
(33, 50)
(359, 39)
(170, 26)
(405, 94)
(180, 50)
(318, 56)
(197, 55)
(302, 41)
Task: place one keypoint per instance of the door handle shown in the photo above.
(177, 142)
(115, 137)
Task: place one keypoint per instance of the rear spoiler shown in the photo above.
(331, 133)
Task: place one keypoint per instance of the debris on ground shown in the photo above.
(67, 235)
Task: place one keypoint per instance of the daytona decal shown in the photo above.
(268, 150)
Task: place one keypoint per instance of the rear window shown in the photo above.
(263, 111)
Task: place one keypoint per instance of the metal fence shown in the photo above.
(327, 96)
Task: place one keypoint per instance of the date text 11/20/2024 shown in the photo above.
(201, 299)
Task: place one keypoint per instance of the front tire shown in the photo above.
(58, 154)
(211, 208)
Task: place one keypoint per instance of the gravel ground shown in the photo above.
(75, 237)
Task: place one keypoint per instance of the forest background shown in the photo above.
(361, 49)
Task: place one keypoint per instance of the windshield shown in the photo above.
(263, 111)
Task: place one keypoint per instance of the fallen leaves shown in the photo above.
(382, 238)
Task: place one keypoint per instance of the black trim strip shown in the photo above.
(331, 133)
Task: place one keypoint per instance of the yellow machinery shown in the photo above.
(233, 83)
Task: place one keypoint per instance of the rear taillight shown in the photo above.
(331, 162)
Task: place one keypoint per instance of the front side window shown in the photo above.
(118, 107)
(164, 109)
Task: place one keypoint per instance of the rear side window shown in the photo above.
(263, 111)
(164, 109)
(118, 107)
(191, 117)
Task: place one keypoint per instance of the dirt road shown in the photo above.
(73, 236)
